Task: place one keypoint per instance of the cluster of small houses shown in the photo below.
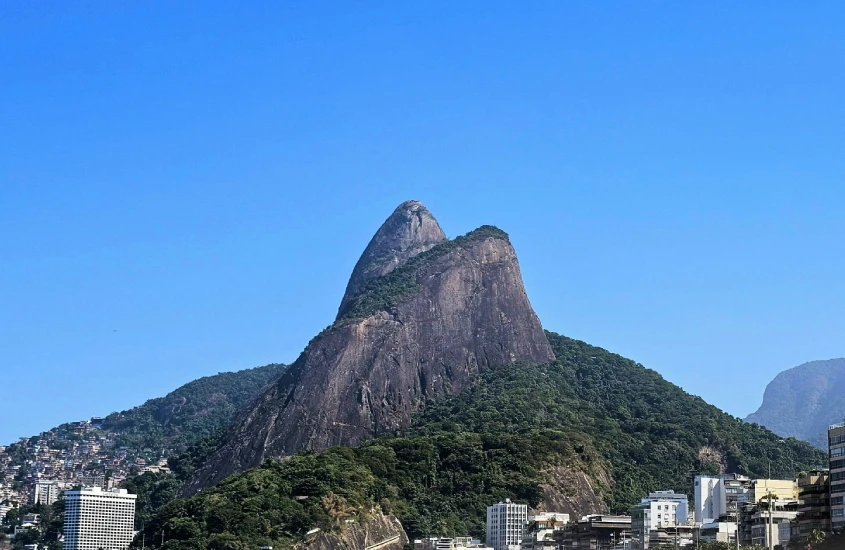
(78, 454)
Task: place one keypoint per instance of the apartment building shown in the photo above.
(506, 523)
(720, 496)
(539, 532)
(97, 519)
(46, 492)
(655, 516)
(781, 489)
(596, 531)
(759, 523)
(813, 504)
(836, 454)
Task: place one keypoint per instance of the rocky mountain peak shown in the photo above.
(408, 231)
(421, 318)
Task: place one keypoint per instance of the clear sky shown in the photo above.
(185, 187)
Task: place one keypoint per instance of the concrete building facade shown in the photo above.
(836, 456)
(813, 504)
(782, 489)
(594, 532)
(539, 532)
(756, 522)
(659, 511)
(97, 519)
(506, 523)
(719, 496)
(46, 492)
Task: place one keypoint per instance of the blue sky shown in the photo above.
(185, 187)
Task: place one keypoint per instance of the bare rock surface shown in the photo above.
(459, 309)
(381, 532)
(410, 230)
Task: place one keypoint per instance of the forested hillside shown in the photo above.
(191, 412)
(590, 411)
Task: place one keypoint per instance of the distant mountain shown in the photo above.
(803, 401)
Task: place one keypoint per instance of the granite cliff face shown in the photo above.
(380, 532)
(419, 319)
(410, 230)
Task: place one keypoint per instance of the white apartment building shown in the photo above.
(659, 511)
(720, 495)
(46, 492)
(97, 519)
(505, 525)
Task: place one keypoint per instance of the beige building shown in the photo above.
(782, 489)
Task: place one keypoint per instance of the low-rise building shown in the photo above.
(759, 523)
(596, 531)
(716, 531)
(539, 533)
(656, 515)
(449, 543)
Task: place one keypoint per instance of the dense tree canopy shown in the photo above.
(590, 410)
(191, 412)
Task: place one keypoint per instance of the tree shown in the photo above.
(816, 537)
(13, 517)
(337, 508)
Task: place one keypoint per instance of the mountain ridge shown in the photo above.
(803, 401)
(589, 432)
(164, 425)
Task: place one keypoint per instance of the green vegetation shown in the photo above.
(434, 484)
(653, 434)
(45, 534)
(189, 413)
(590, 411)
(155, 489)
(384, 293)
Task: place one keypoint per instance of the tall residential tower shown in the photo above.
(97, 519)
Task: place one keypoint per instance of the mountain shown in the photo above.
(588, 432)
(166, 425)
(420, 318)
(410, 230)
(803, 401)
(191, 412)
